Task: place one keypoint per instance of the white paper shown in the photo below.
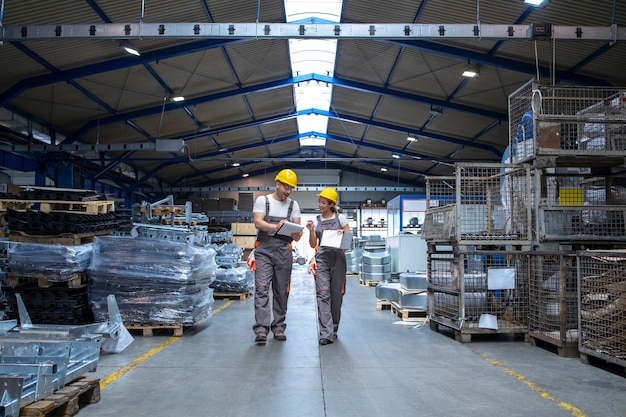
(500, 278)
(331, 238)
(488, 321)
(288, 228)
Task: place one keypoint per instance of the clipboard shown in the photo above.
(331, 239)
(287, 228)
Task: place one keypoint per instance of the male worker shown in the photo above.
(273, 256)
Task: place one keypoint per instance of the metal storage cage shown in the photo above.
(477, 292)
(602, 305)
(553, 301)
(486, 204)
(580, 204)
(566, 121)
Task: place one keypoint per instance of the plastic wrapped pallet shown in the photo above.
(153, 280)
(56, 262)
(233, 280)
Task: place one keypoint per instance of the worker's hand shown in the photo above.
(312, 269)
(296, 236)
(310, 225)
(251, 262)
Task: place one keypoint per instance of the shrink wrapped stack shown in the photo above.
(154, 281)
(55, 262)
(233, 280)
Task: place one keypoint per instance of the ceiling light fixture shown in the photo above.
(236, 164)
(129, 48)
(411, 138)
(471, 72)
(245, 175)
(177, 98)
(395, 156)
(383, 169)
(534, 2)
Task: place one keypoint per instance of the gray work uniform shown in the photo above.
(274, 261)
(330, 281)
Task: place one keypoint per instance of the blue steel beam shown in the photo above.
(498, 62)
(280, 84)
(115, 64)
(300, 153)
(339, 116)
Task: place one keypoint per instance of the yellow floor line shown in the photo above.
(542, 392)
(135, 363)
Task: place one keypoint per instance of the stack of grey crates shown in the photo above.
(376, 266)
(412, 293)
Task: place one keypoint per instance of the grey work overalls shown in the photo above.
(330, 281)
(274, 261)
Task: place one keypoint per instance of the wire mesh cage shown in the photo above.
(477, 292)
(576, 120)
(579, 204)
(486, 203)
(553, 300)
(602, 304)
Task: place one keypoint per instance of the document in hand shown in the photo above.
(287, 228)
(332, 239)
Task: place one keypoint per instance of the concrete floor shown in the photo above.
(380, 366)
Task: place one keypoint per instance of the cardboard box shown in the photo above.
(246, 242)
(243, 229)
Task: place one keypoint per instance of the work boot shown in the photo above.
(325, 342)
(280, 335)
(261, 338)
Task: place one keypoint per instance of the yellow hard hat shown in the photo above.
(330, 194)
(287, 177)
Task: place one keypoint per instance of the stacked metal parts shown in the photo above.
(40, 359)
(155, 281)
(376, 266)
(413, 286)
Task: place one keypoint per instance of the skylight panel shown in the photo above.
(313, 56)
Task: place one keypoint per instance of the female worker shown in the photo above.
(330, 265)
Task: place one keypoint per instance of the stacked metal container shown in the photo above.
(574, 138)
(478, 228)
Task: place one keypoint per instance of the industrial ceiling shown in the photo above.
(398, 73)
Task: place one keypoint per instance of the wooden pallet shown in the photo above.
(65, 239)
(73, 280)
(563, 349)
(232, 295)
(67, 401)
(148, 329)
(368, 283)
(408, 314)
(383, 305)
(84, 207)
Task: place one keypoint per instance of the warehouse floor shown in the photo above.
(379, 366)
